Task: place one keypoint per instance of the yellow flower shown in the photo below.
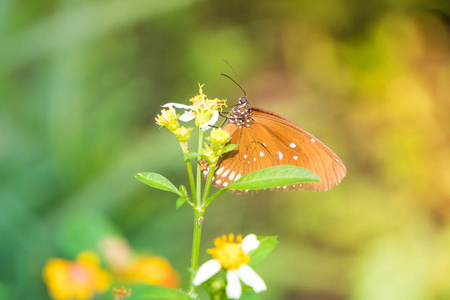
(151, 270)
(183, 134)
(204, 110)
(75, 280)
(201, 102)
(168, 119)
(233, 257)
(219, 136)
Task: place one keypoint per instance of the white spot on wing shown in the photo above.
(225, 184)
(226, 173)
(261, 154)
(313, 140)
(219, 171)
(231, 177)
(254, 159)
(237, 176)
(218, 182)
(295, 157)
(280, 155)
(245, 155)
(292, 145)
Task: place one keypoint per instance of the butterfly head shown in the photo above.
(243, 100)
(241, 114)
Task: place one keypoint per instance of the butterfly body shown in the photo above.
(266, 139)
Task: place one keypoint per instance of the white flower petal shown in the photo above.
(250, 278)
(206, 271)
(177, 105)
(234, 289)
(211, 121)
(250, 243)
(187, 116)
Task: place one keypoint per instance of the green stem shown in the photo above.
(198, 216)
(208, 183)
(191, 181)
(195, 247)
(199, 173)
(208, 202)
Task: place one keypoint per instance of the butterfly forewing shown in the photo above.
(266, 139)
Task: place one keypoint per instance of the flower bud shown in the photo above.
(183, 134)
(219, 136)
(173, 126)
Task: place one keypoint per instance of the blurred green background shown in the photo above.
(81, 83)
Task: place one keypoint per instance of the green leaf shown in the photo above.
(190, 155)
(157, 181)
(180, 202)
(229, 147)
(152, 292)
(183, 191)
(267, 245)
(273, 177)
(249, 295)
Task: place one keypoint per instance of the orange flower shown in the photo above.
(75, 280)
(151, 270)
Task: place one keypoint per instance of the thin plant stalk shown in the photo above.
(198, 214)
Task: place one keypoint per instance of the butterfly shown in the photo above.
(266, 139)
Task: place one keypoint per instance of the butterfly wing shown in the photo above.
(272, 140)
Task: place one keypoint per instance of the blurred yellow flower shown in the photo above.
(183, 134)
(151, 270)
(80, 279)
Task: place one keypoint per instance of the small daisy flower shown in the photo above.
(233, 257)
(205, 111)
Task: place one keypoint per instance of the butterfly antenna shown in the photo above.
(245, 94)
(237, 76)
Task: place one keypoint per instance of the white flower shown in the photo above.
(233, 257)
(204, 110)
(189, 115)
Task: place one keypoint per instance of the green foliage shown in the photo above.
(273, 177)
(229, 147)
(191, 155)
(266, 246)
(158, 181)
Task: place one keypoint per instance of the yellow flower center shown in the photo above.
(204, 107)
(229, 253)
